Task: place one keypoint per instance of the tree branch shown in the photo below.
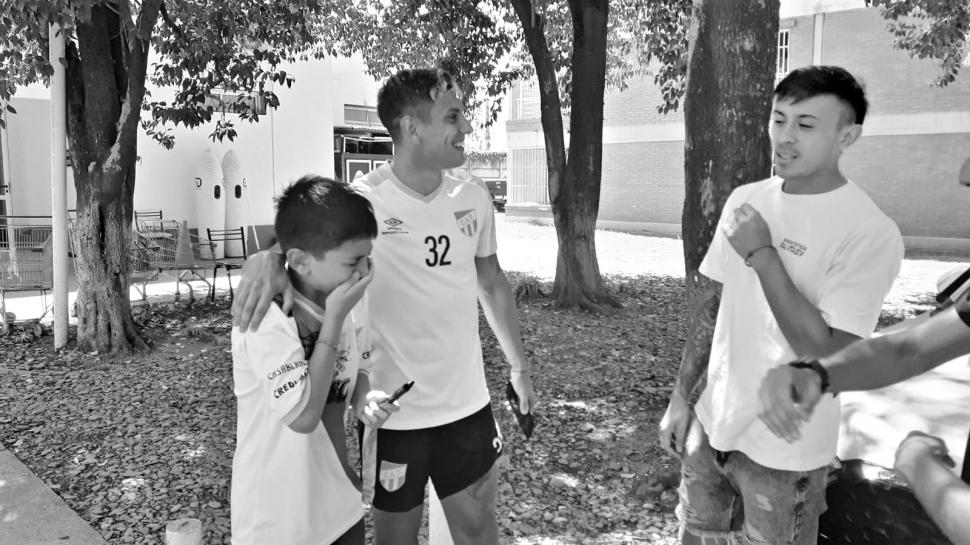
(171, 24)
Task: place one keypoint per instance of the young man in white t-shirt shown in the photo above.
(800, 264)
(294, 375)
(435, 259)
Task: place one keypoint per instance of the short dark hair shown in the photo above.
(410, 91)
(318, 214)
(810, 81)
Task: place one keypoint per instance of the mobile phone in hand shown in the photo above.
(526, 421)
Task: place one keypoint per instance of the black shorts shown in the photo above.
(454, 456)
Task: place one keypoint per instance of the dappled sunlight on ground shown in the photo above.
(937, 402)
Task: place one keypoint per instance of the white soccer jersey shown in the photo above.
(289, 487)
(424, 296)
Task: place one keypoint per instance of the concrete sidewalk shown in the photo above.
(32, 514)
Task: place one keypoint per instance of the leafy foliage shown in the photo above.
(198, 46)
(469, 39)
(190, 48)
(645, 37)
(482, 43)
(931, 29)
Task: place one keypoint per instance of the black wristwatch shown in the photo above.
(814, 365)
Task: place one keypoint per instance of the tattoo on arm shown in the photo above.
(703, 299)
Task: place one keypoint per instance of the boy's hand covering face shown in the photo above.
(346, 295)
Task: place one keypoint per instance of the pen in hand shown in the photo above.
(399, 392)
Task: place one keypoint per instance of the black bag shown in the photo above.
(868, 504)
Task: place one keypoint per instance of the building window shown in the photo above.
(528, 101)
(783, 42)
(234, 103)
(358, 115)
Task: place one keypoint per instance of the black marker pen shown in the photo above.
(399, 392)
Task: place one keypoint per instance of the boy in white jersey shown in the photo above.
(801, 263)
(294, 375)
(435, 257)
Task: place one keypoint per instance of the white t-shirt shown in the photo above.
(842, 254)
(289, 487)
(424, 296)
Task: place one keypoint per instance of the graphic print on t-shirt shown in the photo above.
(793, 247)
(339, 387)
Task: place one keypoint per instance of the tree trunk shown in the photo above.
(574, 188)
(106, 72)
(576, 206)
(730, 79)
(102, 240)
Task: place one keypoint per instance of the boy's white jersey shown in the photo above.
(424, 296)
(289, 487)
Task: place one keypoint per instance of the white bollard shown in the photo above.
(183, 532)
(438, 531)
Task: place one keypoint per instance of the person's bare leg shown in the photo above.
(397, 528)
(471, 512)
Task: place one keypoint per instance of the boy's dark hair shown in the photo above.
(317, 214)
(810, 81)
(410, 91)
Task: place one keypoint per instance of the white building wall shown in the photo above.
(285, 144)
(27, 155)
(351, 85)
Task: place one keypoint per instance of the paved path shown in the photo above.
(32, 514)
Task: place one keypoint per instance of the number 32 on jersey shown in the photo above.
(438, 251)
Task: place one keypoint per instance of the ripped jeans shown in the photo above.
(728, 499)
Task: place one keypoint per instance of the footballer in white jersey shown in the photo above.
(424, 305)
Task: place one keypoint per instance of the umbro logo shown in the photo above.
(393, 227)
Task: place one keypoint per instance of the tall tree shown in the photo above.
(730, 76)
(931, 29)
(574, 179)
(237, 45)
(575, 49)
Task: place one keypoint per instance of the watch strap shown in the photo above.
(814, 365)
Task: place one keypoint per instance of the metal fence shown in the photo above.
(26, 258)
(528, 177)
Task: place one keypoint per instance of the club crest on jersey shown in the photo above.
(467, 221)
(392, 475)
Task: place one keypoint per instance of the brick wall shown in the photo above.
(858, 41)
(913, 179)
(637, 105)
(643, 182)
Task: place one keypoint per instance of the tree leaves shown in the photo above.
(930, 29)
